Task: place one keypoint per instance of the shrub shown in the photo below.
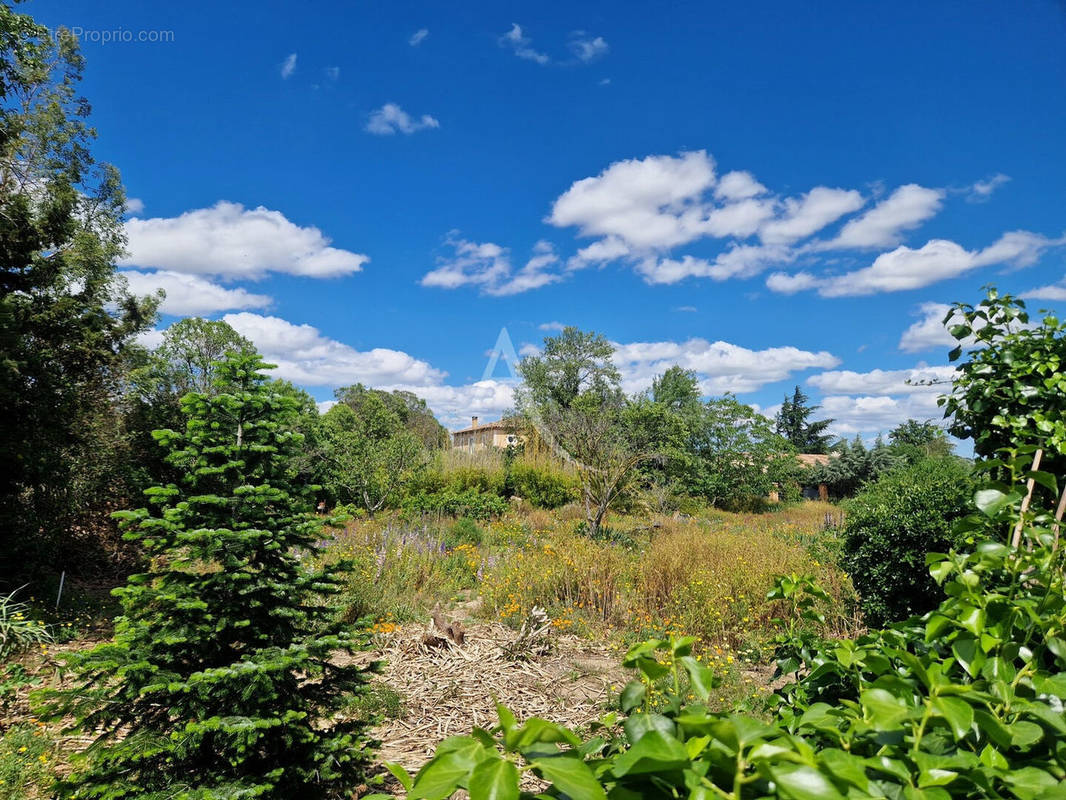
(892, 524)
(18, 630)
(26, 758)
(469, 503)
(220, 680)
(464, 531)
(542, 486)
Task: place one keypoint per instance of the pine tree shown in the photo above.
(792, 424)
(219, 683)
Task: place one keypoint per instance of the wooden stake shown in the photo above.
(1029, 486)
(1058, 519)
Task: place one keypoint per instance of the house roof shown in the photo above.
(499, 425)
(813, 459)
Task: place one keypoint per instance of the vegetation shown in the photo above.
(219, 678)
(65, 319)
(890, 527)
(794, 423)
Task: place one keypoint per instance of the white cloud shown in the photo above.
(738, 185)
(906, 208)
(230, 240)
(522, 45)
(810, 213)
(877, 413)
(192, 294)
(646, 203)
(741, 218)
(305, 356)
(687, 309)
(939, 259)
(917, 380)
(390, 119)
(134, 206)
(418, 37)
(1054, 292)
(783, 283)
(288, 66)
(587, 48)
(980, 191)
(488, 266)
(929, 331)
(722, 367)
(333, 73)
(551, 326)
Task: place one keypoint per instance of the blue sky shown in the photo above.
(767, 193)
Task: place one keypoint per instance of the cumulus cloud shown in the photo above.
(230, 240)
(906, 208)
(784, 283)
(587, 48)
(929, 331)
(288, 66)
(418, 37)
(522, 45)
(877, 413)
(134, 206)
(391, 119)
(305, 356)
(1055, 292)
(488, 267)
(721, 366)
(551, 326)
(192, 294)
(810, 213)
(738, 185)
(916, 380)
(939, 259)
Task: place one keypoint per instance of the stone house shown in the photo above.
(481, 436)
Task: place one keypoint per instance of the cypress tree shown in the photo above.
(219, 681)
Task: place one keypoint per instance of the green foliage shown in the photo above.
(889, 528)
(65, 318)
(26, 755)
(470, 503)
(793, 423)
(369, 456)
(1011, 388)
(412, 412)
(853, 465)
(18, 628)
(464, 531)
(220, 680)
(541, 485)
(913, 440)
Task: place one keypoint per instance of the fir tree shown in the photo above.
(219, 681)
(792, 423)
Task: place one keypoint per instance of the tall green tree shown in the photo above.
(795, 424)
(64, 317)
(186, 360)
(413, 412)
(916, 439)
(369, 456)
(572, 395)
(221, 680)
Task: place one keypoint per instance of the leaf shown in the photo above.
(638, 725)
(701, 677)
(402, 775)
(655, 752)
(885, 709)
(804, 783)
(443, 775)
(990, 501)
(632, 696)
(957, 712)
(572, 776)
(1025, 733)
(494, 778)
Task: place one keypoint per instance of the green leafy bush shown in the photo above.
(220, 681)
(18, 629)
(464, 531)
(471, 503)
(889, 528)
(541, 486)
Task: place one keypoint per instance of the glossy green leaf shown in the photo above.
(494, 778)
(572, 776)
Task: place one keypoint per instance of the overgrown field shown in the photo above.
(704, 575)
